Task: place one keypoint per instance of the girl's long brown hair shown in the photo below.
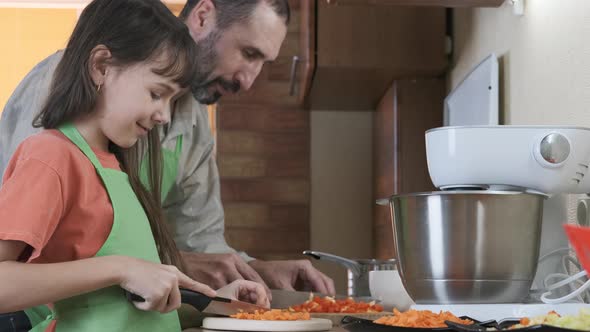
(134, 31)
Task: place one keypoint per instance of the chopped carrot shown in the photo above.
(420, 318)
(274, 314)
(328, 304)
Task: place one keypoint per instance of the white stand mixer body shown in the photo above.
(548, 159)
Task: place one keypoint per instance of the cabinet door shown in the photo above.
(408, 109)
(284, 82)
(362, 49)
(430, 3)
(408, 40)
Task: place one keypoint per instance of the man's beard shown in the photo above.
(207, 95)
(206, 63)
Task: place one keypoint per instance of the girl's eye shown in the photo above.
(155, 96)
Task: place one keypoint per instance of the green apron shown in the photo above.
(170, 160)
(108, 309)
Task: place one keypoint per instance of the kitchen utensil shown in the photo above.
(549, 159)
(467, 246)
(336, 318)
(204, 303)
(283, 299)
(358, 279)
(387, 287)
(465, 328)
(233, 324)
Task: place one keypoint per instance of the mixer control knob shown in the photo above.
(555, 148)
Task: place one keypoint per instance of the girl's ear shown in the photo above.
(99, 62)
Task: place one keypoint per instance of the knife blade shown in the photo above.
(203, 303)
(282, 299)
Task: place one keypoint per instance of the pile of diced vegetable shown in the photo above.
(421, 319)
(274, 314)
(327, 304)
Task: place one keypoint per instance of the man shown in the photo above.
(234, 38)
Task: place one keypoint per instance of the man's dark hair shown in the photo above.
(234, 11)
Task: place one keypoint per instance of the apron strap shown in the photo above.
(178, 146)
(74, 135)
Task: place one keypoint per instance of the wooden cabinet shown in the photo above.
(406, 111)
(430, 3)
(360, 50)
(344, 54)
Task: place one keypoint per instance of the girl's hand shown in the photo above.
(245, 290)
(158, 284)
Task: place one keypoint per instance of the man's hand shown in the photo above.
(293, 275)
(247, 291)
(218, 270)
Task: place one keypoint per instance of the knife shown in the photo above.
(203, 303)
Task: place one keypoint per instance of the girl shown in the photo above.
(76, 225)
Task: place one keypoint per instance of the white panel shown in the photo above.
(475, 100)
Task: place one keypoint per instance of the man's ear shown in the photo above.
(98, 63)
(202, 20)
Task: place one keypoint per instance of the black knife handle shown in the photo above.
(198, 300)
(133, 297)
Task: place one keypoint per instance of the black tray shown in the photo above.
(506, 323)
(354, 324)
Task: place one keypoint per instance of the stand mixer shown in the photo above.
(478, 239)
(547, 159)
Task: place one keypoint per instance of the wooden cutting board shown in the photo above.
(234, 324)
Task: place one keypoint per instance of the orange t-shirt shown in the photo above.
(53, 200)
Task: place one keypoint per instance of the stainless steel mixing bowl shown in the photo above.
(467, 246)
